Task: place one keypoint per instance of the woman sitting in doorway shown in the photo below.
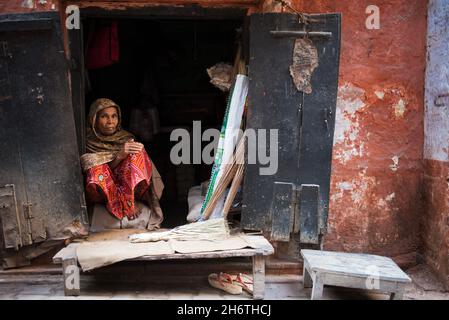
(117, 168)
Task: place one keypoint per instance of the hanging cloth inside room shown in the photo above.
(103, 46)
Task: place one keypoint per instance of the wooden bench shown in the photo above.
(71, 270)
(352, 270)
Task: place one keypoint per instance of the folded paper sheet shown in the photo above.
(110, 248)
(92, 255)
(232, 243)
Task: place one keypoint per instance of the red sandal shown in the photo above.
(224, 282)
(245, 281)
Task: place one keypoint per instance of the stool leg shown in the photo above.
(397, 295)
(318, 286)
(307, 279)
(258, 277)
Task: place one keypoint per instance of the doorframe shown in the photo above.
(189, 12)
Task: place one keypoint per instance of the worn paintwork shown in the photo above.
(435, 220)
(378, 143)
(304, 121)
(38, 132)
(305, 61)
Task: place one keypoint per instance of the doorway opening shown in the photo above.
(160, 82)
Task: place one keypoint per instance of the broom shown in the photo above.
(233, 189)
(231, 171)
(210, 230)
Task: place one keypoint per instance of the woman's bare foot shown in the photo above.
(136, 213)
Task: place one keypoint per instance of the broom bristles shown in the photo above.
(210, 230)
(230, 170)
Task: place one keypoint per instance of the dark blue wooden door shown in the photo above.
(293, 71)
(41, 190)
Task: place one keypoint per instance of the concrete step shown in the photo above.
(184, 267)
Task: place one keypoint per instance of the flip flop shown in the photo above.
(245, 281)
(224, 282)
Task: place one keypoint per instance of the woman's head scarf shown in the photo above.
(100, 148)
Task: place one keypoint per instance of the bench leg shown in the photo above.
(306, 278)
(258, 277)
(71, 274)
(318, 286)
(397, 295)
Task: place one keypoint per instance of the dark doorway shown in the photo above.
(162, 65)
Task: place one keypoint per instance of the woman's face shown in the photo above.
(107, 121)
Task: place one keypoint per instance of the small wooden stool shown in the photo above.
(352, 270)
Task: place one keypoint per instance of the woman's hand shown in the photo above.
(130, 147)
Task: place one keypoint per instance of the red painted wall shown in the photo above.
(435, 220)
(378, 145)
(23, 6)
(378, 149)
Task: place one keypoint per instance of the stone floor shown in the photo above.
(424, 286)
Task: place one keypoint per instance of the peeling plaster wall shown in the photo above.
(435, 220)
(378, 144)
